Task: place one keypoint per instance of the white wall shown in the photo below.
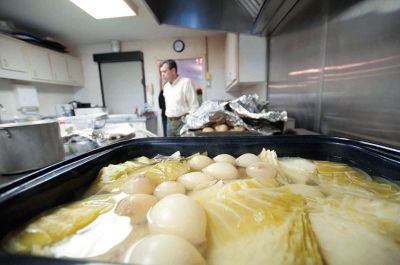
(91, 91)
(216, 58)
(49, 95)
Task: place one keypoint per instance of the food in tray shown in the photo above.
(207, 129)
(252, 209)
(222, 128)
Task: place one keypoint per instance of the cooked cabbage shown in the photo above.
(57, 224)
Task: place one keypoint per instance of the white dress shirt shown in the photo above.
(180, 97)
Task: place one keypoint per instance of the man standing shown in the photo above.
(180, 97)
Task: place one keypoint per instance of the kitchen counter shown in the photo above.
(6, 180)
(15, 179)
(147, 122)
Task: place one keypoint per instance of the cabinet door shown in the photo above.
(75, 72)
(12, 57)
(59, 67)
(231, 58)
(252, 58)
(40, 64)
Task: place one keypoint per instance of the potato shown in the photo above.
(136, 207)
(195, 180)
(164, 249)
(221, 128)
(221, 170)
(247, 159)
(138, 185)
(225, 158)
(207, 129)
(167, 188)
(199, 162)
(179, 215)
(260, 170)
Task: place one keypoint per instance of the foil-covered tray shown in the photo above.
(247, 111)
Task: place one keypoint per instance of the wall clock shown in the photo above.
(179, 45)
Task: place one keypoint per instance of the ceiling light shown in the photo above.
(100, 9)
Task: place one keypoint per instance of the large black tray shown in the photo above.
(67, 181)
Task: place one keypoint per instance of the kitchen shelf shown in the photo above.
(23, 61)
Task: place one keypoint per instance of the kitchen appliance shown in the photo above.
(64, 110)
(77, 104)
(91, 110)
(28, 146)
(69, 179)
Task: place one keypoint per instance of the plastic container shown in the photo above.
(82, 122)
(67, 181)
(120, 118)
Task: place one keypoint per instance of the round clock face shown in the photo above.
(179, 46)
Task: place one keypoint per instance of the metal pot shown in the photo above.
(28, 146)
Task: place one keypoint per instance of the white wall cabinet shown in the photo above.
(12, 59)
(23, 61)
(39, 63)
(245, 60)
(58, 64)
(75, 71)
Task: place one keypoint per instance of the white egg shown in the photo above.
(167, 188)
(247, 159)
(180, 215)
(164, 249)
(195, 180)
(221, 170)
(136, 207)
(199, 162)
(138, 185)
(225, 158)
(260, 170)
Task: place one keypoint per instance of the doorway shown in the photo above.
(122, 81)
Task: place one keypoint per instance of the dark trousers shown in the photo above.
(164, 125)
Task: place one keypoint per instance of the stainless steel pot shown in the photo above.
(29, 145)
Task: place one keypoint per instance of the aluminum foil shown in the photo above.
(247, 111)
(201, 117)
(251, 106)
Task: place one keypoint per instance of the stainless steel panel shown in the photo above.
(258, 17)
(337, 72)
(28, 146)
(361, 93)
(293, 48)
(202, 14)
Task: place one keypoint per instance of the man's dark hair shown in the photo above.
(171, 64)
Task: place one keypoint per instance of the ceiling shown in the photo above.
(71, 26)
